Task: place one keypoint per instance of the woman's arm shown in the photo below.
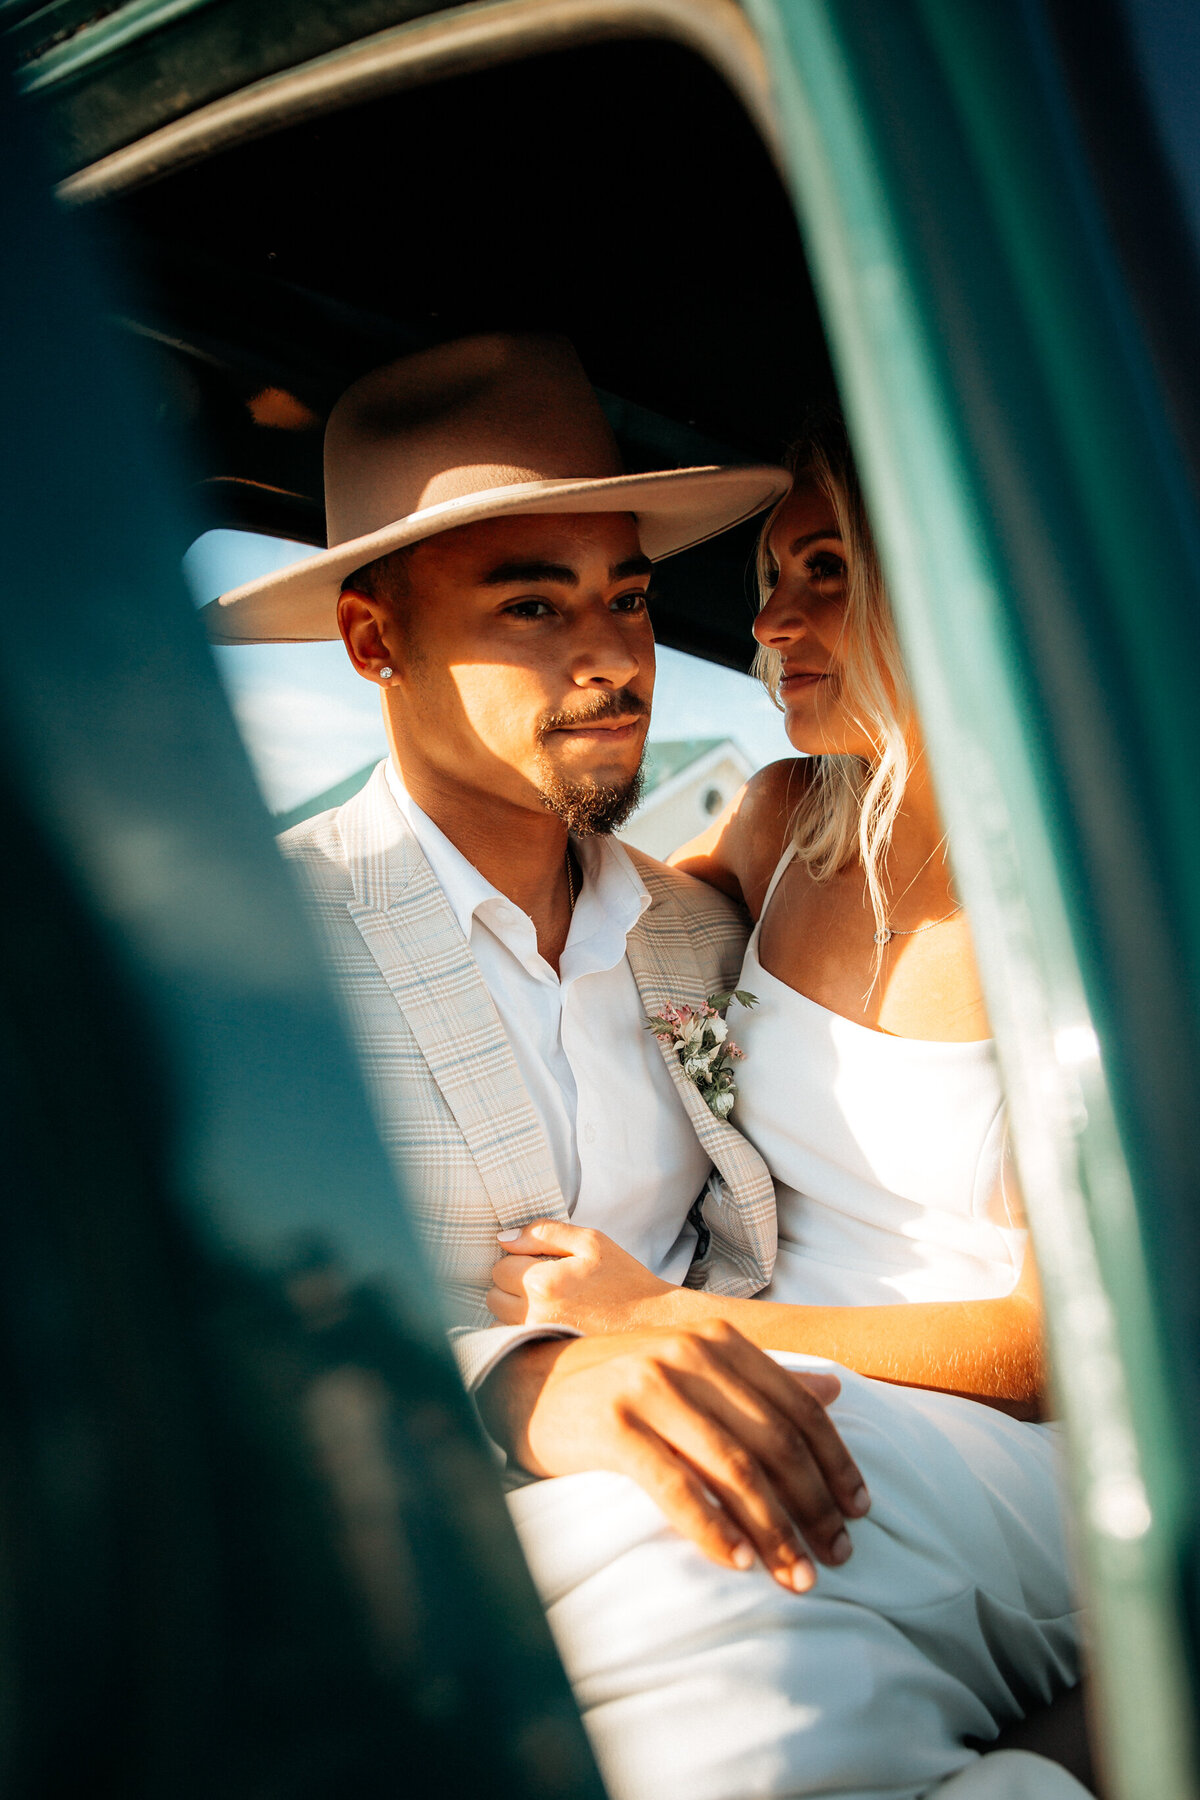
(739, 851)
(988, 1350)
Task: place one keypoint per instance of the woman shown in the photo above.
(870, 1085)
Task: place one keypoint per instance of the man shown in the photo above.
(488, 573)
(498, 954)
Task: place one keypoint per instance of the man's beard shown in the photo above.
(591, 808)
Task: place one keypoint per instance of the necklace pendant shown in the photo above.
(885, 936)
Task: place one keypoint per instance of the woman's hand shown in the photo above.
(558, 1274)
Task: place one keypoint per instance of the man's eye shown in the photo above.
(529, 609)
(629, 603)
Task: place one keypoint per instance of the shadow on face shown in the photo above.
(522, 658)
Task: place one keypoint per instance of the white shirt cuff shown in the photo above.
(478, 1352)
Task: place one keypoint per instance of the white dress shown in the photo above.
(955, 1614)
(887, 1153)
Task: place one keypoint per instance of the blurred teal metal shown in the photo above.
(117, 73)
(1040, 533)
(251, 1539)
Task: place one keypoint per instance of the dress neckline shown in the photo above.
(887, 1037)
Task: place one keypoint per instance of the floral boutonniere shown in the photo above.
(700, 1039)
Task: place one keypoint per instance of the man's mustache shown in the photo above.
(618, 703)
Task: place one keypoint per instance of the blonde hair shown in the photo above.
(850, 803)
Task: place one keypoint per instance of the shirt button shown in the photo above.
(589, 1134)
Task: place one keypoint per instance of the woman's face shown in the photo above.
(803, 620)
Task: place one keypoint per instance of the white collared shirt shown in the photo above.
(623, 1148)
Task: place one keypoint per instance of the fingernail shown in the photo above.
(860, 1503)
(841, 1548)
(742, 1555)
(801, 1576)
(506, 1237)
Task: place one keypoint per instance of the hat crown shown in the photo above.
(485, 428)
(461, 419)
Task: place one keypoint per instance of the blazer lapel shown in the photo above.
(411, 932)
(667, 972)
(666, 969)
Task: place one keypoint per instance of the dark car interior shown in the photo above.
(617, 194)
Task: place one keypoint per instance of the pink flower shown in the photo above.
(703, 1048)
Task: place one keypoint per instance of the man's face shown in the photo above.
(524, 663)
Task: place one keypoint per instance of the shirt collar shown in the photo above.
(610, 903)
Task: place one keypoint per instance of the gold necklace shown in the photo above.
(888, 931)
(570, 885)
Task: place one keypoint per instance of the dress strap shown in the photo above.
(780, 866)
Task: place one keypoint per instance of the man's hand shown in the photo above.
(740, 1455)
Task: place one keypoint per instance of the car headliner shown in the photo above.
(617, 192)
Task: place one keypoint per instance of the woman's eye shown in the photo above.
(529, 609)
(825, 566)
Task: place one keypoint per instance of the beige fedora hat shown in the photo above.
(478, 429)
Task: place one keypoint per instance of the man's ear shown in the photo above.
(362, 622)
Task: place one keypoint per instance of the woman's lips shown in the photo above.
(800, 680)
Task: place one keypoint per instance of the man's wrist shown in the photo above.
(508, 1393)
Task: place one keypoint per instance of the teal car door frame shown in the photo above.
(252, 1539)
(1039, 525)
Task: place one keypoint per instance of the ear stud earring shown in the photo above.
(386, 673)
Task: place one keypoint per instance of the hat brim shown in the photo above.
(674, 511)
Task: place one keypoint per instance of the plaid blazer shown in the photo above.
(450, 1104)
